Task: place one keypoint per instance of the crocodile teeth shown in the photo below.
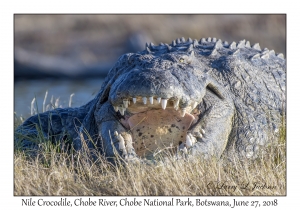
(182, 112)
(122, 110)
(202, 131)
(151, 99)
(121, 143)
(158, 100)
(176, 103)
(125, 102)
(198, 134)
(134, 100)
(116, 133)
(193, 139)
(194, 104)
(116, 108)
(164, 103)
(144, 100)
(188, 142)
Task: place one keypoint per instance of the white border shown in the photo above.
(8, 8)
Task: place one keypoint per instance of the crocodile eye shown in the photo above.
(181, 60)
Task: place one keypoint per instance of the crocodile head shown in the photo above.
(157, 95)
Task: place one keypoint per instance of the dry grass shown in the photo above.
(55, 172)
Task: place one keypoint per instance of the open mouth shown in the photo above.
(157, 124)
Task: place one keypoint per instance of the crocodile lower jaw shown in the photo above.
(158, 129)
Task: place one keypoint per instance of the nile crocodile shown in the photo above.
(200, 97)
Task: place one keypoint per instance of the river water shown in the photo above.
(59, 92)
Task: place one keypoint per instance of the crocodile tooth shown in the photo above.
(214, 39)
(125, 102)
(173, 43)
(176, 103)
(190, 40)
(134, 100)
(198, 134)
(164, 103)
(121, 142)
(256, 46)
(145, 100)
(192, 138)
(182, 39)
(151, 99)
(158, 100)
(116, 108)
(209, 39)
(122, 110)
(178, 41)
(202, 130)
(182, 112)
(194, 104)
(116, 133)
(188, 141)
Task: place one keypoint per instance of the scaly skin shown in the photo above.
(203, 98)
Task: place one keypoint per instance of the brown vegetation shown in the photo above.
(56, 172)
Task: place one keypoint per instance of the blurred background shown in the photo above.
(58, 55)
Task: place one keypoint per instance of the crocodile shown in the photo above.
(200, 97)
